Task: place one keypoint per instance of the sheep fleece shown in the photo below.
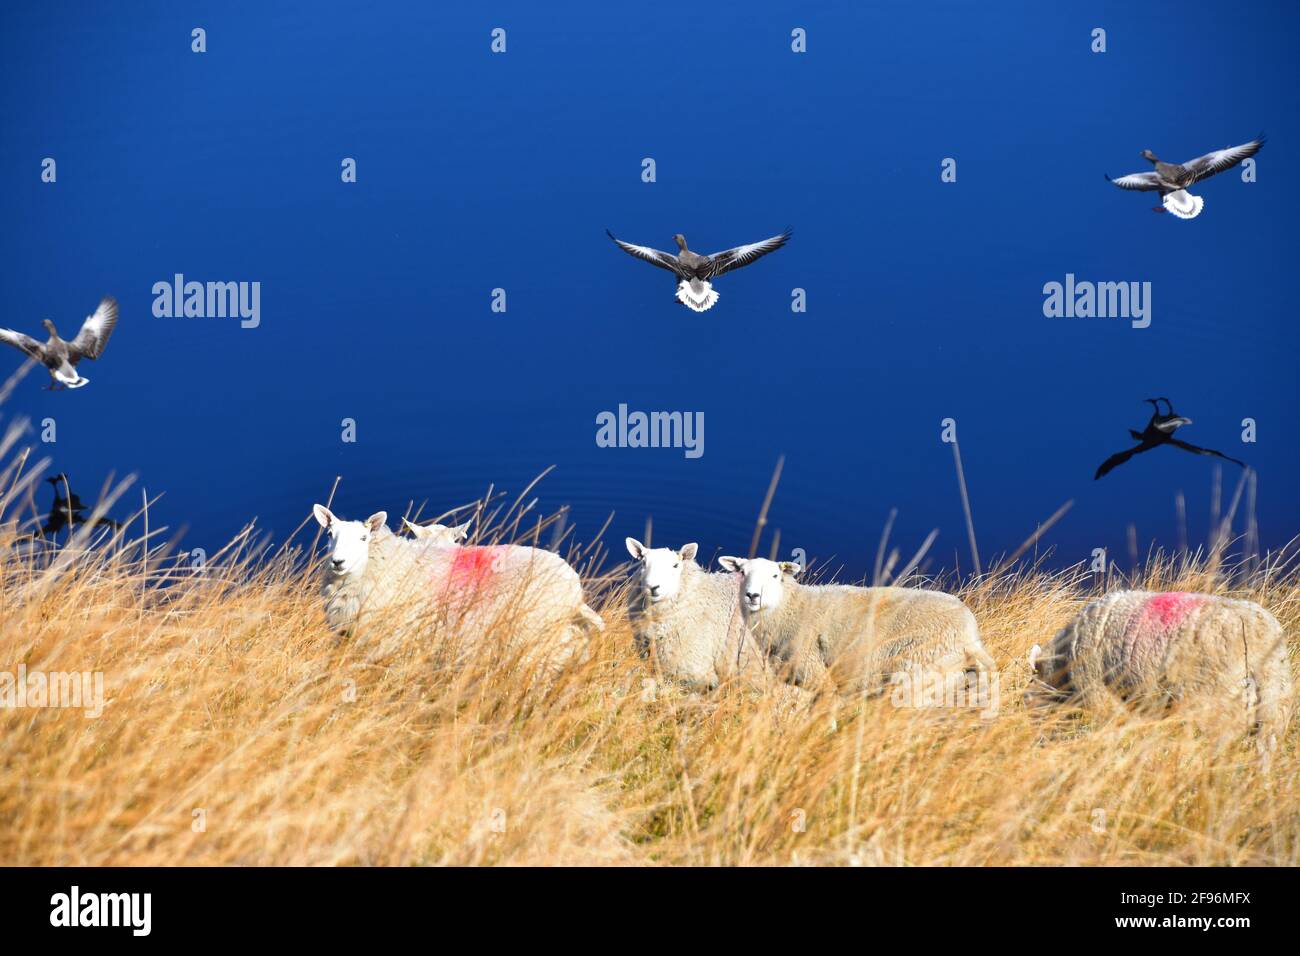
(694, 636)
(1140, 645)
(471, 588)
(860, 636)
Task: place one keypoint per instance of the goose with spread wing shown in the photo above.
(1172, 179)
(695, 272)
(60, 358)
(1159, 431)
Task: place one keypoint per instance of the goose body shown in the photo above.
(695, 273)
(60, 357)
(1172, 179)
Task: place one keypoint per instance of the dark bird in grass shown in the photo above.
(1172, 179)
(694, 272)
(60, 358)
(60, 483)
(67, 511)
(1159, 431)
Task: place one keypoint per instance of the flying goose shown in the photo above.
(1172, 179)
(59, 357)
(694, 271)
(1159, 431)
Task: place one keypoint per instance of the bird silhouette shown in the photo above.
(67, 512)
(60, 483)
(1159, 431)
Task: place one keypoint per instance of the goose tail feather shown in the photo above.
(1183, 204)
(696, 294)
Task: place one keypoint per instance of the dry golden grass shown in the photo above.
(237, 730)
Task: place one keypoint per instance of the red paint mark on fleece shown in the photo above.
(473, 565)
(1170, 608)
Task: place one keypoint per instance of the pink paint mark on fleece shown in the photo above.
(1171, 608)
(1150, 632)
(473, 565)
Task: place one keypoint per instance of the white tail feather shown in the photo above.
(697, 299)
(1183, 204)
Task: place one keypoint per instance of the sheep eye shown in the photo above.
(677, 565)
(774, 575)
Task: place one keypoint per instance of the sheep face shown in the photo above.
(436, 534)
(660, 572)
(764, 584)
(349, 540)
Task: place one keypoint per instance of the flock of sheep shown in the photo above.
(755, 617)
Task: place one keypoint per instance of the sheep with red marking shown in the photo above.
(1150, 648)
(530, 596)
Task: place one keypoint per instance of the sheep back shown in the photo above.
(1154, 649)
(858, 637)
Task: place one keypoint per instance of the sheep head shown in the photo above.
(764, 582)
(349, 540)
(436, 534)
(659, 573)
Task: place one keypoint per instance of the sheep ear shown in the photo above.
(377, 520)
(791, 568)
(415, 530)
(323, 515)
(732, 564)
(461, 531)
(688, 551)
(635, 548)
(1035, 653)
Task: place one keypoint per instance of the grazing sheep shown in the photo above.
(858, 638)
(687, 619)
(437, 533)
(1158, 648)
(533, 593)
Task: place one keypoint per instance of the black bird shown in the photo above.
(1159, 431)
(694, 272)
(67, 512)
(60, 483)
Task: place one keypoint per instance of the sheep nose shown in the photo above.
(337, 562)
(752, 595)
(654, 590)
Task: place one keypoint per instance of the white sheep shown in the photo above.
(531, 595)
(437, 533)
(859, 639)
(687, 620)
(1152, 648)
(368, 569)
